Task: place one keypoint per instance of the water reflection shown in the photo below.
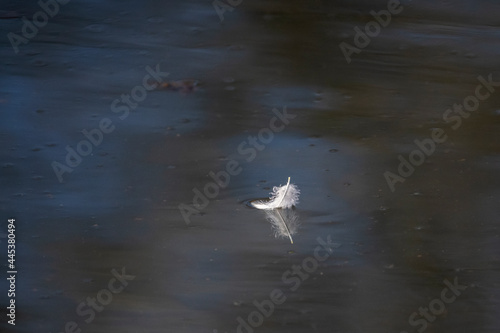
(119, 207)
(285, 222)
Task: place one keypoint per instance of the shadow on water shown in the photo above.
(386, 254)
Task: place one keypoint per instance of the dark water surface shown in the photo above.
(394, 257)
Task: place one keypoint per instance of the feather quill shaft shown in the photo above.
(286, 191)
(282, 197)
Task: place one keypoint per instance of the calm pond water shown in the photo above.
(118, 115)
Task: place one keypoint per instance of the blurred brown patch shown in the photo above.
(184, 86)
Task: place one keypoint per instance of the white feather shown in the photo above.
(281, 197)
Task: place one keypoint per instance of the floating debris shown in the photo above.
(184, 86)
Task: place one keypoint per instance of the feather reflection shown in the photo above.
(284, 222)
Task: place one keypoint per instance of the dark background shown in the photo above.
(119, 206)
